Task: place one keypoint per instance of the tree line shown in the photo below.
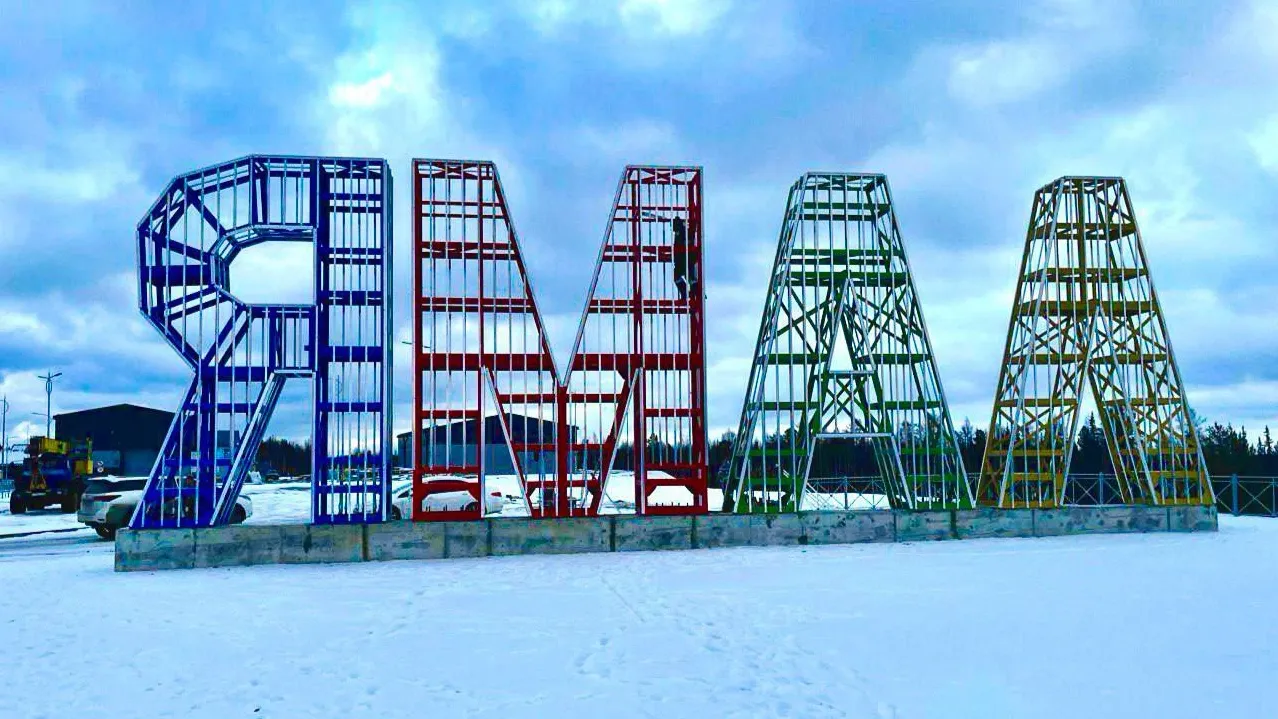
(1226, 449)
(284, 457)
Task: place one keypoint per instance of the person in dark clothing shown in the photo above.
(681, 257)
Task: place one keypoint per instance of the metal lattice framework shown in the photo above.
(1085, 307)
(242, 353)
(487, 388)
(843, 353)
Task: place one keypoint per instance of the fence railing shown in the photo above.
(1254, 496)
(1092, 489)
(871, 492)
(845, 493)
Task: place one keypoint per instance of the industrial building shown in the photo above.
(126, 437)
(455, 443)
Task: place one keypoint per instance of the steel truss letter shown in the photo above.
(1085, 309)
(843, 354)
(242, 353)
(488, 395)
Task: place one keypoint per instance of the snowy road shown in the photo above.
(1121, 626)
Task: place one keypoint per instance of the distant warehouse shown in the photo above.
(126, 438)
(456, 443)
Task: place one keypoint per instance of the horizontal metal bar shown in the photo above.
(501, 362)
(349, 406)
(448, 413)
(350, 298)
(456, 250)
(670, 361)
(671, 412)
(341, 353)
(629, 305)
(501, 305)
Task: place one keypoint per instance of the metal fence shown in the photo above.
(845, 493)
(1254, 496)
(871, 493)
(6, 488)
(1092, 489)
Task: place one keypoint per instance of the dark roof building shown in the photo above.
(126, 437)
(454, 443)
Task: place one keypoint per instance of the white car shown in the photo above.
(108, 504)
(450, 497)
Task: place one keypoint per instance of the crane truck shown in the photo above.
(53, 472)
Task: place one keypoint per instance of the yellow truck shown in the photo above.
(53, 472)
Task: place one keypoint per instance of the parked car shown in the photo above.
(108, 504)
(449, 499)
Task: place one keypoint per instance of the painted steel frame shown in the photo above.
(243, 353)
(1086, 309)
(636, 374)
(841, 271)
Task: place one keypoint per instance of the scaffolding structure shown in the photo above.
(243, 353)
(843, 354)
(487, 391)
(1085, 308)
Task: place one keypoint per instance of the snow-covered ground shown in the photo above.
(1156, 625)
(290, 503)
(287, 502)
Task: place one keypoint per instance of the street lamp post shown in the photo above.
(48, 400)
(4, 437)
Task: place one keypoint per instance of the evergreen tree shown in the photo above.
(1091, 450)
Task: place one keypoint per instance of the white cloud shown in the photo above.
(63, 330)
(548, 15)
(672, 18)
(1254, 30)
(274, 272)
(381, 90)
(1264, 143)
(1061, 38)
(367, 94)
(72, 171)
(654, 140)
(82, 182)
(106, 351)
(23, 323)
(1001, 72)
(676, 17)
(1249, 403)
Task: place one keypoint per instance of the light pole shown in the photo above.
(48, 400)
(4, 437)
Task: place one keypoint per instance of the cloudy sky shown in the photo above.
(968, 107)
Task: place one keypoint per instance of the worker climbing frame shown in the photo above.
(843, 357)
(242, 353)
(1085, 310)
(629, 407)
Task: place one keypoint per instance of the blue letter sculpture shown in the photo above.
(242, 353)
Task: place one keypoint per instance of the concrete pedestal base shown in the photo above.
(239, 545)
